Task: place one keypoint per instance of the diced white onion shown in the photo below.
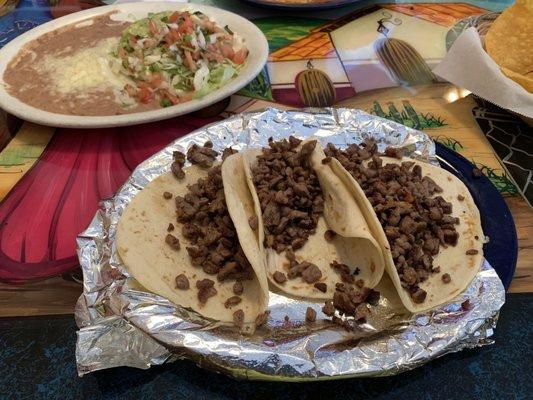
(194, 42)
(200, 77)
(201, 39)
(152, 58)
(175, 80)
(213, 38)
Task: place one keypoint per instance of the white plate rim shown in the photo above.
(255, 40)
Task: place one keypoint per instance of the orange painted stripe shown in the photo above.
(307, 40)
(447, 11)
(467, 8)
(303, 51)
(283, 51)
(322, 42)
(289, 57)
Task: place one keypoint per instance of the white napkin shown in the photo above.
(468, 65)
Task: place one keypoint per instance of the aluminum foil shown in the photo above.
(121, 324)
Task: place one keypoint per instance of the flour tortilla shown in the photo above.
(141, 245)
(354, 244)
(453, 259)
(241, 208)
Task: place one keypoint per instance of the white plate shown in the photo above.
(254, 38)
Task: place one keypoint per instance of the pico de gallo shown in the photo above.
(174, 57)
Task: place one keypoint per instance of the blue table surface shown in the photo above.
(37, 361)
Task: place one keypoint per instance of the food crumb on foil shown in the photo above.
(123, 325)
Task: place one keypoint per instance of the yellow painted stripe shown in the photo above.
(21, 154)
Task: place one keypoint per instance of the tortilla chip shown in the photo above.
(509, 42)
(526, 81)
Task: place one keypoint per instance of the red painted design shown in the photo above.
(57, 198)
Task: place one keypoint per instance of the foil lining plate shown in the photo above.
(121, 324)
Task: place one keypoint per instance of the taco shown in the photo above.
(311, 232)
(177, 238)
(424, 218)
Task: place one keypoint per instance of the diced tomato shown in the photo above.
(187, 25)
(133, 40)
(173, 17)
(168, 39)
(167, 95)
(227, 50)
(155, 80)
(152, 26)
(186, 97)
(172, 36)
(145, 94)
(176, 35)
(240, 56)
(149, 43)
(189, 61)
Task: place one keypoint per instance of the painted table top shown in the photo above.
(40, 364)
(377, 57)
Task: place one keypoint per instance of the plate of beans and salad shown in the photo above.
(128, 63)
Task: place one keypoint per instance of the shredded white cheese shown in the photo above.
(85, 69)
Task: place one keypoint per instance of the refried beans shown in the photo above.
(66, 71)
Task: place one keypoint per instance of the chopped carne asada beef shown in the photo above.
(238, 288)
(173, 241)
(322, 286)
(206, 224)
(329, 235)
(203, 156)
(228, 151)
(310, 315)
(279, 277)
(177, 166)
(182, 282)
(328, 308)
(213, 244)
(350, 301)
(344, 272)
(289, 193)
(232, 301)
(238, 317)
(416, 220)
(262, 319)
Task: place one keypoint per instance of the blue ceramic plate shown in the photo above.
(502, 249)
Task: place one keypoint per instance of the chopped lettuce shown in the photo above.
(177, 56)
